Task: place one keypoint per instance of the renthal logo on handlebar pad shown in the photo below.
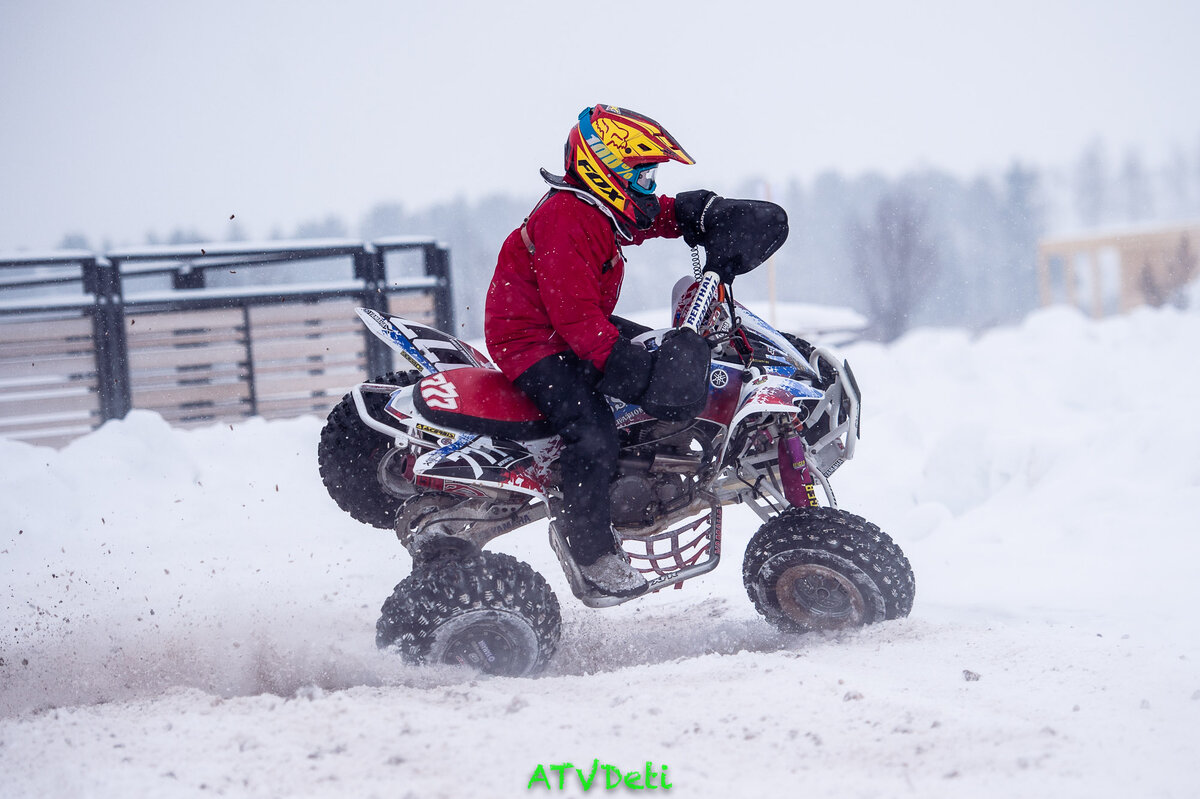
(439, 393)
(706, 292)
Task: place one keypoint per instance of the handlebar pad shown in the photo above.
(740, 235)
(678, 387)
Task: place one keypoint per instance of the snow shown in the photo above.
(188, 613)
(214, 294)
(44, 257)
(186, 251)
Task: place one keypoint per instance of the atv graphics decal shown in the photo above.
(452, 447)
(381, 323)
(491, 461)
(442, 350)
(444, 436)
(773, 394)
(439, 393)
(782, 351)
(627, 414)
(725, 387)
(448, 487)
(426, 348)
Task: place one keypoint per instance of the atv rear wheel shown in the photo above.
(825, 569)
(486, 610)
(349, 455)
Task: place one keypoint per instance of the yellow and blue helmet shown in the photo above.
(614, 152)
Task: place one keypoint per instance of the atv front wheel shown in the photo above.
(825, 569)
(350, 453)
(486, 610)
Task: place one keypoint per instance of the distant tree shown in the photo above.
(383, 219)
(1175, 184)
(1023, 222)
(895, 260)
(74, 241)
(186, 236)
(1195, 192)
(1153, 290)
(1136, 193)
(1183, 268)
(824, 271)
(331, 227)
(1169, 286)
(1091, 187)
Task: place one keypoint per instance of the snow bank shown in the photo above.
(187, 608)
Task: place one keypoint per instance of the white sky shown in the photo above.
(124, 117)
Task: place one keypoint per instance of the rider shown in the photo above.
(548, 321)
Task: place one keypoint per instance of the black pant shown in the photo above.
(563, 388)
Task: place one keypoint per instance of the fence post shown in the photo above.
(103, 279)
(437, 264)
(369, 267)
(187, 277)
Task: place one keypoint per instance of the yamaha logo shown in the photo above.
(719, 378)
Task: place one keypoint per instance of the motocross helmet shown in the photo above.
(613, 153)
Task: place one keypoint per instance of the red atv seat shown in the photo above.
(479, 400)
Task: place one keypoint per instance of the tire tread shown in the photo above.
(348, 455)
(833, 532)
(439, 590)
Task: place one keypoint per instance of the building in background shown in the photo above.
(1110, 272)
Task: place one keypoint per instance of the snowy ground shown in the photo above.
(187, 613)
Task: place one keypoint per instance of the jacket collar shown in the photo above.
(565, 183)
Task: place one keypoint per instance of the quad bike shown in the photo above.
(450, 455)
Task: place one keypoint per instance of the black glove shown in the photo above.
(737, 235)
(678, 387)
(627, 372)
(689, 215)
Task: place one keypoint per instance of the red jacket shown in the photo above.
(560, 297)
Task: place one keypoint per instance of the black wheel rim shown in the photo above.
(819, 597)
(491, 646)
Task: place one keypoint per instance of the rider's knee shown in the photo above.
(596, 445)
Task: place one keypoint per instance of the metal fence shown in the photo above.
(202, 333)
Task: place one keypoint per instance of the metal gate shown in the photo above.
(202, 333)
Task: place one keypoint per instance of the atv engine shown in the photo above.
(658, 475)
(638, 500)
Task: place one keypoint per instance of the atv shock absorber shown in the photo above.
(794, 473)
